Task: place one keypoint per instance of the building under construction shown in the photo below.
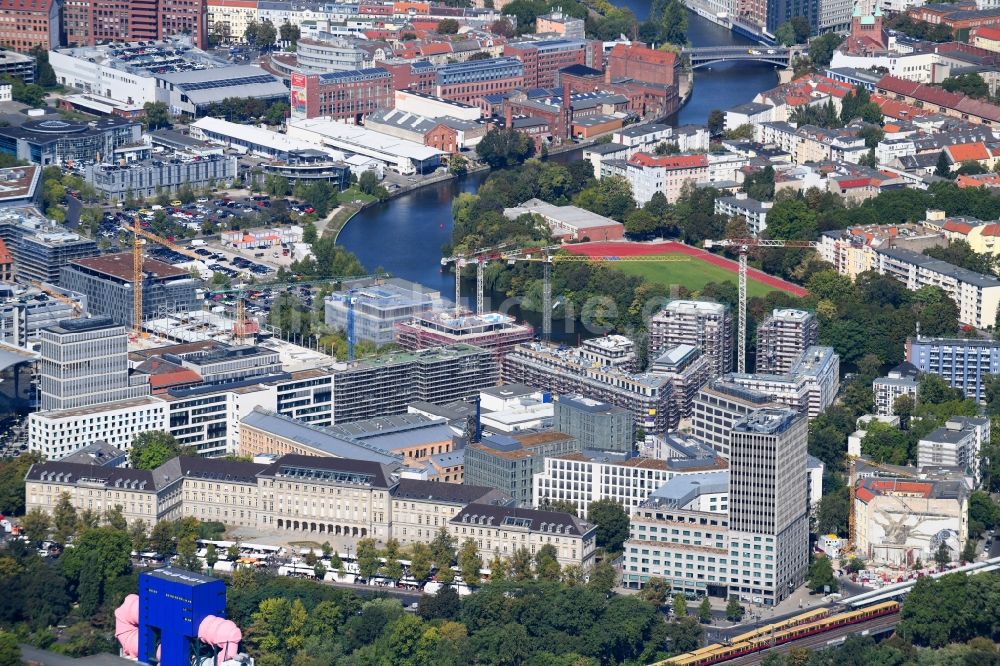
(491, 330)
(107, 280)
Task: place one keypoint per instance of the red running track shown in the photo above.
(629, 249)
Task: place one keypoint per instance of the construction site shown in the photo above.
(490, 330)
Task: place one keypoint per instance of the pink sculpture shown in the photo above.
(223, 634)
(127, 625)
(213, 630)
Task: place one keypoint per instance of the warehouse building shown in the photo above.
(106, 282)
(406, 157)
(194, 91)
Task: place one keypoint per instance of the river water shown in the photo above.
(404, 236)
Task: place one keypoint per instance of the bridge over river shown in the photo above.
(780, 56)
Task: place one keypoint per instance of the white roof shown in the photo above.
(260, 137)
(365, 141)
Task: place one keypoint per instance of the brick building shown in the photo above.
(25, 24)
(86, 23)
(544, 58)
(418, 76)
(344, 96)
(470, 81)
(640, 63)
(645, 99)
(91, 22)
(960, 17)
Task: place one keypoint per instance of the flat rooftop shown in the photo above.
(120, 266)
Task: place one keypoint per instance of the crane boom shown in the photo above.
(744, 245)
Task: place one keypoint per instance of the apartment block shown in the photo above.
(702, 324)
(494, 331)
(151, 177)
(588, 476)
(23, 26)
(596, 425)
(957, 443)
(977, 296)
(901, 380)
(543, 58)
(509, 463)
(752, 211)
(688, 370)
(575, 370)
(965, 363)
(810, 385)
(783, 337)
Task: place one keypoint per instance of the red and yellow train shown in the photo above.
(806, 624)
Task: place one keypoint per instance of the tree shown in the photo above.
(603, 577)
(36, 525)
(802, 29)
(157, 115)
(505, 148)
(115, 518)
(969, 551)
(612, 524)
(705, 611)
(942, 556)
(716, 122)
(64, 519)
(187, 554)
(319, 571)
(547, 563)
(943, 167)
(420, 562)
(137, 535)
(10, 651)
(211, 557)
(785, 34)
(161, 538)
(152, 448)
(12, 474)
(290, 33)
(821, 578)
(520, 564)
(655, 591)
(902, 407)
(447, 27)
(680, 606)
(833, 512)
(885, 443)
(670, 18)
(470, 562)
(734, 610)
(90, 589)
(563, 506)
(971, 84)
(277, 628)
(444, 604)
(458, 165)
(443, 548)
(821, 48)
(392, 569)
(502, 27)
(368, 559)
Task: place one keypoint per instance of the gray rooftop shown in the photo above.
(682, 490)
(941, 267)
(317, 437)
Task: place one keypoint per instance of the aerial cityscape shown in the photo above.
(499, 332)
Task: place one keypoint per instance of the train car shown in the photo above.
(827, 624)
(774, 627)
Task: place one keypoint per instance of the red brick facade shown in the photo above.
(346, 96)
(25, 24)
(542, 65)
(472, 92)
(641, 63)
(443, 138)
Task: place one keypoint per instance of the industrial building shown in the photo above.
(429, 106)
(107, 283)
(379, 307)
(58, 141)
(783, 337)
(449, 135)
(494, 331)
(508, 462)
(567, 371)
(406, 157)
(469, 82)
(702, 324)
(543, 58)
(262, 142)
(598, 426)
(148, 178)
(570, 223)
(18, 65)
(193, 92)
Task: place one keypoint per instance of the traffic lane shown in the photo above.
(818, 640)
(73, 209)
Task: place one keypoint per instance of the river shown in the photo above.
(404, 236)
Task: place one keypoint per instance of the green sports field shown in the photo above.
(693, 274)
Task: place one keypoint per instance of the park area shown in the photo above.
(703, 267)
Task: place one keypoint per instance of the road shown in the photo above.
(821, 640)
(73, 209)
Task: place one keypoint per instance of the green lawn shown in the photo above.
(693, 274)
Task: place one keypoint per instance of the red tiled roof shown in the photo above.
(987, 32)
(856, 182)
(957, 227)
(639, 53)
(991, 230)
(670, 162)
(436, 48)
(864, 494)
(902, 486)
(962, 152)
(978, 180)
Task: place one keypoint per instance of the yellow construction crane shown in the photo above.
(59, 296)
(743, 246)
(546, 256)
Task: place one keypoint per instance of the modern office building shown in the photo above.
(41, 255)
(901, 380)
(580, 370)
(588, 476)
(23, 315)
(509, 462)
(977, 296)
(783, 337)
(965, 363)
(598, 426)
(107, 282)
(148, 178)
(744, 533)
(958, 443)
(491, 330)
(702, 324)
(379, 307)
(83, 363)
(721, 404)
(688, 370)
(57, 141)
